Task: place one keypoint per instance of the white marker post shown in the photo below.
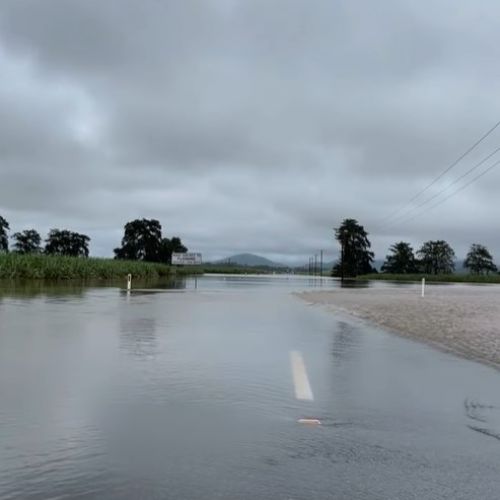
(423, 287)
(129, 282)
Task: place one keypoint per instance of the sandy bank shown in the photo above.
(463, 319)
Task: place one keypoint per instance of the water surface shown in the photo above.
(186, 392)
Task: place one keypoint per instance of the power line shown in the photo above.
(440, 202)
(444, 172)
(439, 193)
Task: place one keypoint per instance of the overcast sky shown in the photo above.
(249, 126)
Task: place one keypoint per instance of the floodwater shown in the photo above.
(188, 393)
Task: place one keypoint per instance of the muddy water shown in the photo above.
(187, 392)
(463, 319)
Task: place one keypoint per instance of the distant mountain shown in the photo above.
(250, 260)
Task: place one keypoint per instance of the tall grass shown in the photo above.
(46, 267)
(434, 278)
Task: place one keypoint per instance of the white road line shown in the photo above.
(300, 380)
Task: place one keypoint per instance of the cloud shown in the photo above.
(246, 126)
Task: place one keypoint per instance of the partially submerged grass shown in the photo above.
(47, 267)
(434, 278)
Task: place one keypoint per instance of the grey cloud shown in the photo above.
(245, 125)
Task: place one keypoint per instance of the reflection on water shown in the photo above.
(34, 288)
(355, 284)
(344, 342)
(76, 288)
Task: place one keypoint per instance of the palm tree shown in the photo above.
(355, 255)
(4, 240)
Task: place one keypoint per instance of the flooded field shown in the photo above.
(186, 390)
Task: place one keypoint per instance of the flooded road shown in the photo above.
(196, 393)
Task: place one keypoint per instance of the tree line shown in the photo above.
(433, 257)
(58, 242)
(142, 240)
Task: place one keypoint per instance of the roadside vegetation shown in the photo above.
(53, 267)
(144, 253)
(435, 260)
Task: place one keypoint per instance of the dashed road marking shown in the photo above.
(300, 380)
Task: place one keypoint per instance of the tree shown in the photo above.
(479, 260)
(141, 241)
(437, 257)
(64, 242)
(27, 241)
(4, 239)
(177, 246)
(401, 261)
(355, 255)
(168, 247)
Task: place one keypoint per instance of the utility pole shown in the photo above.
(342, 260)
(315, 264)
(321, 263)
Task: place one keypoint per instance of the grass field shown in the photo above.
(439, 278)
(46, 267)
